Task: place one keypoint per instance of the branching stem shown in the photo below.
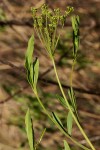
(63, 131)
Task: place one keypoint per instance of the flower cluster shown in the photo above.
(46, 25)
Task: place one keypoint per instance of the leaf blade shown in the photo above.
(76, 40)
(29, 130)
(35, 72)
(66, 146)
(29, 52)
(69, 122)
(62, 101)
(57, 119)
(41, 136)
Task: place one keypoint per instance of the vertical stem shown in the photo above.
(75, 119)
(71, 75)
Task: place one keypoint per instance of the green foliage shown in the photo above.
(35, 72)
(41, 136)
(75, 25)
(63, 102)
(61, 99)
(73, 101)
(59, 124)
(45, 26)
(66, 146)
(32, 67)
(29, 53)
(29, 130)
(57, 120)
(69, 123)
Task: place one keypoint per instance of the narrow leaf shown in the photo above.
(35, 71)
(30, 75)
(75, 25)
(59, 123)
(72, 98)
(41, 136)
(29, 130)
(69, 123)
(57, 119)
(66, 146)
(61, 99)
(29, 52)
(63, 102)
(28, 60)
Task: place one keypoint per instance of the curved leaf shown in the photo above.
(66, 146)
(57, 119)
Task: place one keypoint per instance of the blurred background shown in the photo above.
(16, 26)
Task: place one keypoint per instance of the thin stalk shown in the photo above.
(62, 130)
(53, 39)
(74, 117)
(46, 20)
(71, 75)
(42, 39)
(57, 42)
(48, 38)
(71, 80)
(39, 35)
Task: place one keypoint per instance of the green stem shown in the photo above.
(75, 119)
(72, 70)
(64, 132)
(41, 104)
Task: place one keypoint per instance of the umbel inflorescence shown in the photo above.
(46, 25)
